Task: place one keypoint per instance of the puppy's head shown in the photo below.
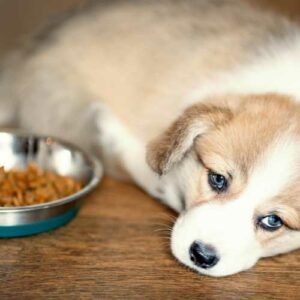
(238, 164)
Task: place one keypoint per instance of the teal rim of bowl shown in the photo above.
(40, 226)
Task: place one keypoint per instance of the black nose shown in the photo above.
(203, 256)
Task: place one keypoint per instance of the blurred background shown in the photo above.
(18, 18)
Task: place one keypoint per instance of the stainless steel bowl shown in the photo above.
(17, 149)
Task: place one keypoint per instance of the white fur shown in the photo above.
(285, 243)
(274, 71)
(274, 170)
(121, 148)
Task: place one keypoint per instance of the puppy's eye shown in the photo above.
(270, 223)
(217, 182)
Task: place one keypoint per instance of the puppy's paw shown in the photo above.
(109, 128)
(109, 140)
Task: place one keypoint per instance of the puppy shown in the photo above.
(195, 101)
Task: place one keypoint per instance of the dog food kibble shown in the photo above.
(34, 186)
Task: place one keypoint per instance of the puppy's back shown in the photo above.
(143, 57)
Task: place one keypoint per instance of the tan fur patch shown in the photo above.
(233, 148)
(173, 144)
(285, 205)
(289, 214)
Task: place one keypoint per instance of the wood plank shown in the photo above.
(118, 248)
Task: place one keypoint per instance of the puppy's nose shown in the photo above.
(203, 256)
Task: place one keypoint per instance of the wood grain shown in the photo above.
(118, 246)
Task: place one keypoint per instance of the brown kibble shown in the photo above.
(2, 174)
(34, 186)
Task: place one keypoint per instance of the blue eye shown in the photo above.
(217, 182)
(270, 222)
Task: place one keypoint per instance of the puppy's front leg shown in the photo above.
(121, 150)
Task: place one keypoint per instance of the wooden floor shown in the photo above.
(118, 248)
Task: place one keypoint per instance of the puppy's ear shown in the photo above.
(171, 146)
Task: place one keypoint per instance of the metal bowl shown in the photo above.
(17, 149)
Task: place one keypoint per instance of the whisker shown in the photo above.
(163, 230)
(167, 217)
